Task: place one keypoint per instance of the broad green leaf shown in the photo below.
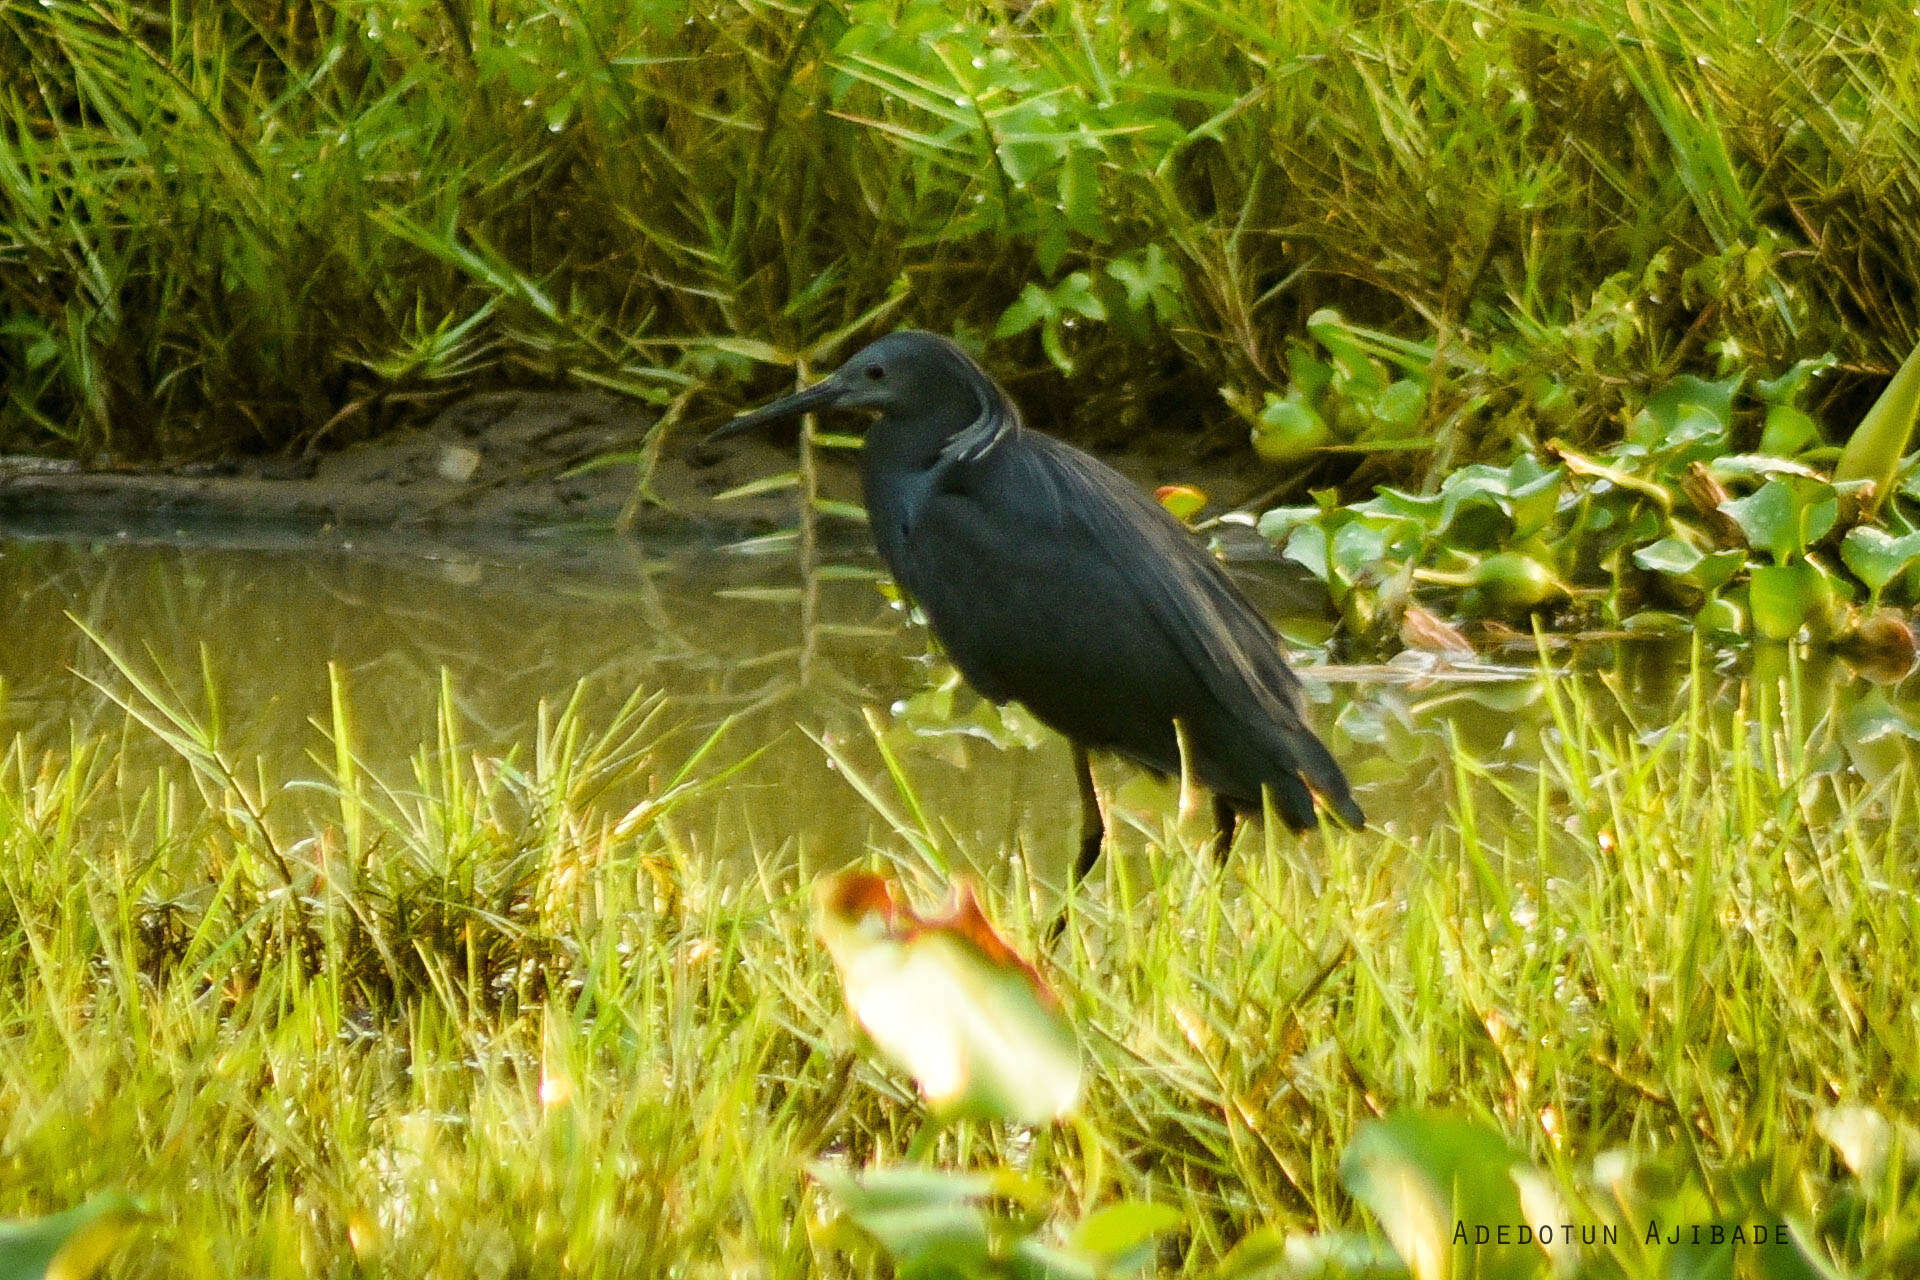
(1718, 568)
(1788, 431)
(1400, 403)
(1785, 515)
(1277, 522)
(1355, 371)
(1876, 557)
(1307, 547)
(1120, 1236)
(1358, 546)
(1660, 622)
(1288, 429)
(1873, 450)
(1786, 388)
(1679, 558)
(1783, 598)
(1688, 416)
(1431, 1178)
(907, 1186)
(70, 1245)
(950, 1003)
(919, 1216)
(1669, 555)
(1720, 616)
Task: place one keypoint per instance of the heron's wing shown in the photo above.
(1188, 595)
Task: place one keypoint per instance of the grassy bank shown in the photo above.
(473, 1021)
(272, 225)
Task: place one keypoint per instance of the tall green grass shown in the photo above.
(282, 224)
(481, 1019)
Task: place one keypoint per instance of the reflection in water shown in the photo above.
(719, 635)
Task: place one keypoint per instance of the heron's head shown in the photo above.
(908, 374)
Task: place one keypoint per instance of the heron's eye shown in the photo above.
(875, 373)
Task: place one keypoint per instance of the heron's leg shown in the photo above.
(1224, 822)
(1093, 830)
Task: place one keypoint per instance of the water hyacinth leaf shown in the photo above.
(1785, 515)
(1720, 616)
(1659, 622)
(1423, 1174)
(1512, 582)
(1788, 431)
(1474, 499)
(950, 1003)
(1876, 737)
(1278, 522)
(1717, 569)
(1308, 375)
(1400, 403)
(1876, 557)
(1783, 598)
(1874, 449)
(1307, 546)
(71, 1245)
(1422, 509)
(1678, 558)
(1288, 429)
(1534, 499)
(1359, 546)
(1672, 556)
(1786, 388)
(1686, 414)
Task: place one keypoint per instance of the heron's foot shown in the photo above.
(1090, 842)
(1225, 822)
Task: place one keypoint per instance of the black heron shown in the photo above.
(1053, 581)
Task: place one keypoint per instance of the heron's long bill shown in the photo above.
(817, 396)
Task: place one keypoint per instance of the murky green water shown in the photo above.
(722, 635)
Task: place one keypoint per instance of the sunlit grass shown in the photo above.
(484, 1019)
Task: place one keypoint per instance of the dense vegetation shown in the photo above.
(270, 225)
(476, 1018)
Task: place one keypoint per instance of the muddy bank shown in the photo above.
(503, 462)
(502, 465)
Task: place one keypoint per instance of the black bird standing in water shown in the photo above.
(1053, 581)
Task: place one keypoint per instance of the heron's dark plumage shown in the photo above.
(1052, 580)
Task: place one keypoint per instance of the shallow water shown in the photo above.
(728, 636)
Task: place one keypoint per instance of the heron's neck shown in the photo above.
(962, 426)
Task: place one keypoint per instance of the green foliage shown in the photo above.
(260, 225)
(1641, 535)
(531, 1007)
(1876, 446)
(72, 1245)
(937, 1224)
